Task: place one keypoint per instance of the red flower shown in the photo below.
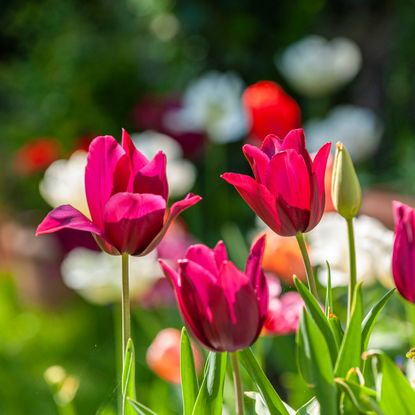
(403, 258)
(287, 192)
(221, 306)
(270, 110)
(36, 156)
(127, 199)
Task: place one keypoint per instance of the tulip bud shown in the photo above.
(346, 192)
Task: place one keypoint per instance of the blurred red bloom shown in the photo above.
(270, 110)
(163, 355)
(36, 156)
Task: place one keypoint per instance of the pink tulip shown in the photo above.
(403, 259)
(127, 199)
(221, 306)
(287, 192)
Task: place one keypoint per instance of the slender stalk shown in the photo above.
(125, 305)
(239, 394)
(352, 262)
(307, 264)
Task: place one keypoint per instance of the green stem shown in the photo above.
(239, 395)
(307, 264)
(352, 262)
(125, 305)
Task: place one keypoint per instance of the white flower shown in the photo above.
(316, 66)
(181, 173)
(373, 249)
(96, 276)
(212, 103)
(358, 128)
(63, 183)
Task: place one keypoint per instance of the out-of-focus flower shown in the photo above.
(287, 192)
(403, 259)
(373, 250)
(63, 183)
(181, 173)
(93, 275)
(163, 355)
(63, 386)
(315, 66)
(127, 199)
(212, 103)
(270, 110)
(222, 307)
(36, 156)
(329, 207)
(358, 128)
(284, 311)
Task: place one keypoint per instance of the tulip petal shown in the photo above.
(66, 216)
(295, 140)
(257, 196)
(271, 145)
(258, 161)
(131, 221)
(174, 211)
(203, 256)
(104, 156)
(221, 254)
(152, 177)
(170, 273)
(317, 185)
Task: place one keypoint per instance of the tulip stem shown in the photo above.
(307, 264)
(125, 305)
(352, 262)
(239, 395)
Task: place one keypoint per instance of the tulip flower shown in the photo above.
(127, 199)
(403, 258)
(222, 307)
(287, 192)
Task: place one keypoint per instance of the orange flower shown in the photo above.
(163, 355)
(282, 256)
(327, 185)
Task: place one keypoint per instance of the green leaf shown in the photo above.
(319, 317)
(318, 369)
(329, 295)
(370, 319)
(351, 347)
(139, 408)
(128, 379)
(312, 407)
(190, 385)
(336, 327)
(270, 396)
(209, 400)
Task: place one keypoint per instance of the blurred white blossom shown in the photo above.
(358, 128)
(373, 241)
(63, 183)
(96, 275)
(315, 66)
(212, 103)
(181, 173)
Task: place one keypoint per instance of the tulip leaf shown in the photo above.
(370, 319)
(139, 408)
(190, 386)
(271, 398)
(261, 407)
(351, 347)
(128, 379)
(317, 369)
(209, 400)
(329, 295)
(319, 317)
(312, 407)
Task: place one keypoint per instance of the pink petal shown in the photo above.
(257, 196)
(258, 160)
(66, 216)
(317, 185)
(174, 211)
(104, 156)
(203, 256)
(170, 273)
(131, 221)
(271, 145)
(152, 177)
(295, 140)
(221, 254)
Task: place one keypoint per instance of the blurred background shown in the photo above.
(196, 79)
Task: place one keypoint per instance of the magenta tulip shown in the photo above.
(403, 259)
(221, 306)
(127, 199)
(287, 192)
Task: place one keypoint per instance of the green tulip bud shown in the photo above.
(346, 191)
